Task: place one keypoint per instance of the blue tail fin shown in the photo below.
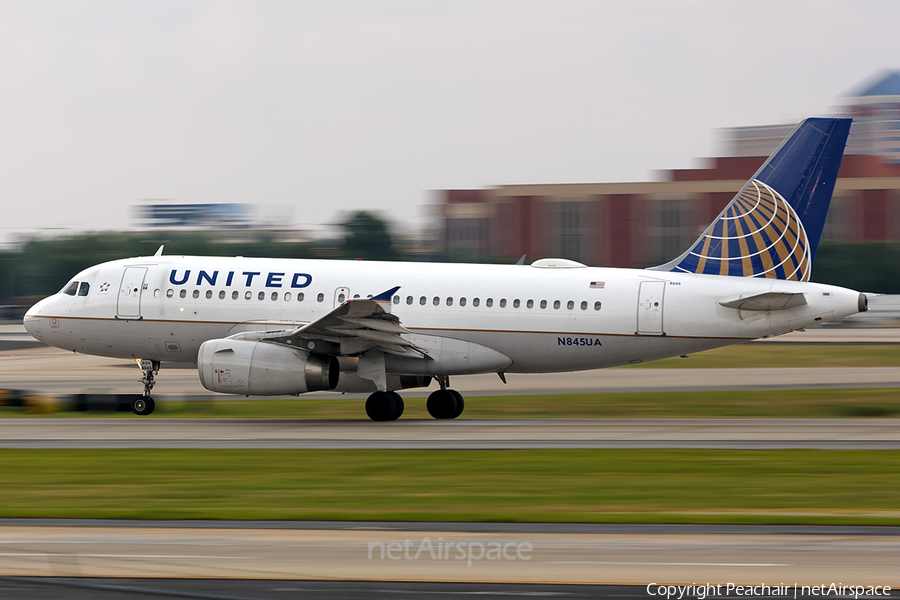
(773, 226)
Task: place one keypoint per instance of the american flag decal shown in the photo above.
(598, 285)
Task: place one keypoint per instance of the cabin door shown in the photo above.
(650, 308)
(129, 304)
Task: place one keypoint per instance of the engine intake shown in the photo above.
(254, 368)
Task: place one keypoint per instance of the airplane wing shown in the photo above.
(351, 329)
(767, 301)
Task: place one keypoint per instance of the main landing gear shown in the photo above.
(144, 405)
(445, 404)
(384, 406)
(442, 404)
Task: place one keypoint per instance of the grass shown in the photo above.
(697, 486)
(771, 355)
(802, 403)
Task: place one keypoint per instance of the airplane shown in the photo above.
(268, 326)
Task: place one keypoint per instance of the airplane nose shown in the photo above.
(32, 321)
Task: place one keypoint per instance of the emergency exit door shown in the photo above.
(341, 295)
(650, 308)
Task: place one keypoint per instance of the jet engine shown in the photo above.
(254, 368)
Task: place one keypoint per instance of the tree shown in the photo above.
(366, 235)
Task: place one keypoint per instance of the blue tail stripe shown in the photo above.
(804, 170)
(783, 206)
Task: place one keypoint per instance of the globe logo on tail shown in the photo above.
(757, 235)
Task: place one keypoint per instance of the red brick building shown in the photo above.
(643, 224)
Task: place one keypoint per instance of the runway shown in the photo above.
(119, 588)
(451, 435)
(432, 552)
(332, 560)
(50, 371)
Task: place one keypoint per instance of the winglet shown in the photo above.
(386, 296)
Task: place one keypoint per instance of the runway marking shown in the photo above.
(668, 564)
(80, 555)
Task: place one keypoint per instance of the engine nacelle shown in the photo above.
(253, 368)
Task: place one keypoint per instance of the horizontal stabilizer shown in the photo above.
(767, 301)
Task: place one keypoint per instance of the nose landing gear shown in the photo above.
(144, 405)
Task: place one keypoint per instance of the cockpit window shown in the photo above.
(71, 289)
(84, 288)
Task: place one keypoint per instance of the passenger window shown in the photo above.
(475, 301)
(396, 299)
(300, 296)
(355, 296)
(584, 305)
(462, 301)
(530, 304)
(71, 289)
(274, 296)
(261, 295)
(208, 294)
(221, 294)
(516, 303)
(234, 295)
(570, 305)
(248, 295)
(502, 302)
(196, 294)
(287, 296)
(556, 304)
(84, 288)
(449, 301)
(543, 304)
(320, 298)
(341, 297)
(436, 301)
(423, 300)
(596, 306)
(409, 300)
(156, 293)
(182, 294)
(170, 293)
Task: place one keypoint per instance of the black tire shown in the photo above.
(460, 404)
(398, 405)
(381, 406)
(441, 404)
(81, 403)
(151, 406)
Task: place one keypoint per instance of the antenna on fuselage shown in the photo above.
(159, 252)
(521, 261)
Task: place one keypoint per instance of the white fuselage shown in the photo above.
(544, 319)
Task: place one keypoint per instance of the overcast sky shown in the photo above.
(334, 106)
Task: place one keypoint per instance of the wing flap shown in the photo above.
(353, 328)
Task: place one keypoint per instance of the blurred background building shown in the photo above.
(647, 223)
